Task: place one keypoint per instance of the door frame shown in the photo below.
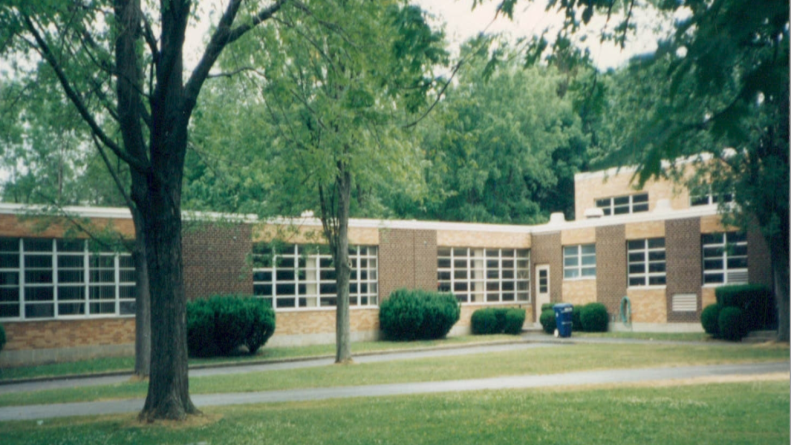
(545, 297)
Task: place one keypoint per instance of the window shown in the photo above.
(45, 278)
(304, 276)
(579, 261)
(709, 198)
(724, 258)
(622, 205)
(484, 275)
(646, 262)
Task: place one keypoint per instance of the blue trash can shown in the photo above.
(563, 318)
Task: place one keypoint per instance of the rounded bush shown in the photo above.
(417, 314)
(709, 318)
(548, 322)
(594, 318)
(514, 320)
(547, 307)
(484, 322)
(732, 324)
(576, 321)
(220, 324)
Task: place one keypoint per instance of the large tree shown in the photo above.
(128, 61)
(338, 96)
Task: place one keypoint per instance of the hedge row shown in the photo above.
(418, 315)
(754, 300)
(726, 322)
(497, 320)
(591, 317)
(221, 324)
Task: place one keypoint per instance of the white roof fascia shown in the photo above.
(115, 213)
(411, 224)
(634, 218)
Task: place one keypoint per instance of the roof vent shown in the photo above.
(594, 213)
(557, 218)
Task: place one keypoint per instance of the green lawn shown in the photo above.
(548, 360)
(658, 336)
(126, 364)
(728, 413)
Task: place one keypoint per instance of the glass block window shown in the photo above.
(303, 277)
(622, 205)
(646, 262)
(724, 258)
(478, 275)
(579, 261)
(46, 278)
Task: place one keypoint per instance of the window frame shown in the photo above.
(313, 279)
(578, 253)
(726, 255)
(645, 250)
(477, 275)
(56, 270)
(632, 206)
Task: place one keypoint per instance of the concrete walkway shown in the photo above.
(83, 381)
(40, 412)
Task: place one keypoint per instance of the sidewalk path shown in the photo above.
(82, 381)
(38, 412)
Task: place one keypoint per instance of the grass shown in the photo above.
(547, 360)
(658, 336)
(126, 364)
(726, 413)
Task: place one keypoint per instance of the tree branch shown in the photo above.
(439, 97)
(235, 72)
(75, 98)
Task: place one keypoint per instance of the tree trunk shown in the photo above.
(780, 273)
(142, 301)
(168, 389)
(343, 349)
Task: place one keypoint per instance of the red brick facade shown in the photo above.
(611, 266)
(216, 259)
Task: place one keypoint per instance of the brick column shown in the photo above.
(684, 268)
(611, 266)
(546, 249)
(407, 259)
(216, 259)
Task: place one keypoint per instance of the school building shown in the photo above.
(64, 298)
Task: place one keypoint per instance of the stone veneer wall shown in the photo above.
(611, 266)
(216, 259)
(684, 274)
(407, 259)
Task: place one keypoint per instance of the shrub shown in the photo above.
(548, 322)
(418, 314)
(221, 324)
(484, 322)
(514, 320)
(2, 337)
(547, 307)
(709, 318)
(593, 317)
(754, 300)
(732, 324)
(576, 321)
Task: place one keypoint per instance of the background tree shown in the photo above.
(143, 93)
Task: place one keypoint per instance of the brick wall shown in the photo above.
(216, 259)
(467, 238)
(323, 322)
(682, 245)
(611, 266)
(648, 305)
(68, 333)
(547, 250)
(55, 227)
(407, 259)
(579, 292)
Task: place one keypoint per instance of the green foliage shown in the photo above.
(754, 300)
(548, 322)
(493, 320)
(732, 324)
(594, 318)
(484, 322)
(221, 324)
(547, 307)
(710, 317)
(514, 320)
(576, 320)
(2, 338)
(418, 315)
